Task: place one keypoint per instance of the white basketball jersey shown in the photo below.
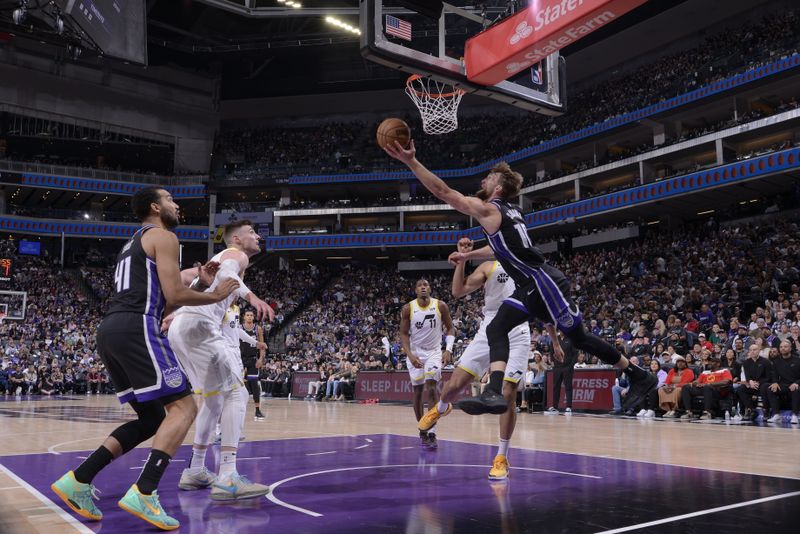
(230, 326)
(215, 312)
(497, 288)
(426, 325)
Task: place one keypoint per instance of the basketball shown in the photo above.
(391, 130)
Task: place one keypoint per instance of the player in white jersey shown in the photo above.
(421, 327)
(497, 287)
(215, 370)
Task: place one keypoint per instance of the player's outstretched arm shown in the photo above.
(483, 253)
(232, 266)
(163, 246)
(467, 205)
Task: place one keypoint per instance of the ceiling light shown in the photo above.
(343, 25)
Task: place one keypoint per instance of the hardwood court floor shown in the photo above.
(40, 435)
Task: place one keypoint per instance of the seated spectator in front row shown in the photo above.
(619, 389)
(534, 380)
(314, 385)
(670, 393)
(346, 385)
(4, 380)
(30, 378)
(785, 382)
(711, 385)
(756, 378)
(650, 403)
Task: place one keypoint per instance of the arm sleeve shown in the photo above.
(247, 338)
(230, 269)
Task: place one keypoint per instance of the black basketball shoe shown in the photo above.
(487, 402)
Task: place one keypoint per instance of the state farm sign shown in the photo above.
(532, 34)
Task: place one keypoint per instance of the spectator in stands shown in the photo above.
(784, 382)
(711, 385)
(650, 403)
(93, 381)
(57, 378)
(4, 386)
(534, 381)
(315, 385)
(620, 389)
(347, 381)
(670, 393)
(31, 379)
(757, 371)
(16, 380)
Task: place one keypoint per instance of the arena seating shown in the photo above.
(253, 152)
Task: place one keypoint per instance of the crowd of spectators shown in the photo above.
(53, 349)
(697, 294)
(284, 151)
(703, 294)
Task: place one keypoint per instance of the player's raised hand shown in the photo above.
(263, 310)
(405, 155)
(457, 258)
(225, 288)
(465, 245)
(207, 272)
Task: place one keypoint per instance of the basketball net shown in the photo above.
(437, 103)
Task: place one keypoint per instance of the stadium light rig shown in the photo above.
(343, 25)
(291, 3)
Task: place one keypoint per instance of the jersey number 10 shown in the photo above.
(122, 276)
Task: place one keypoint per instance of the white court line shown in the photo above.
(80, 527)
(271, 496)
(367, 444)
(52, 448)
(9, 488)
(254, 458)
(318, 453)
(701, 512)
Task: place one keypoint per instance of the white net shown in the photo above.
(437, 102)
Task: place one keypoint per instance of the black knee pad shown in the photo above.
(496, 330)
(132, 433)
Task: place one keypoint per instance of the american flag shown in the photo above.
(398, 28)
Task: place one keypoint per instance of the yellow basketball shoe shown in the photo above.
(432, 416)
(499, 470)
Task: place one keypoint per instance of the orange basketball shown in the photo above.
(391, 130)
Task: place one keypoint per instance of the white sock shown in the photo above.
(198, 458)
(227, 464)
(502, 448)
(441, 407)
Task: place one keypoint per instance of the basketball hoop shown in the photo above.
(437, 103)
